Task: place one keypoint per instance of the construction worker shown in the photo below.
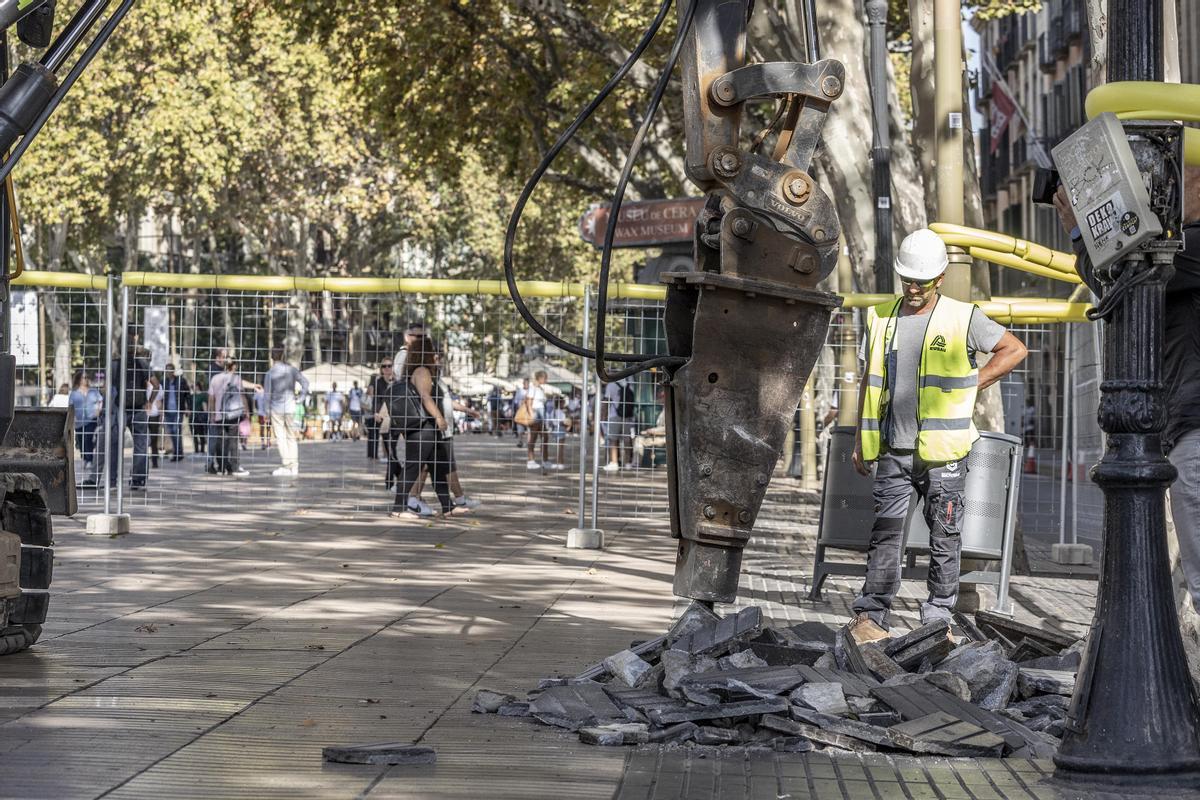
(915, 423)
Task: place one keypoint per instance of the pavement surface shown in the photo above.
(216, 649)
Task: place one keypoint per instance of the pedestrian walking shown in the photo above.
(177, 402)
(520, 417)
(263, 415)
(414, 331)
(279, 397)
(620, 423)
(917, 399)
(1181, 370)
(534, 402)
(556, 433)
(215, 368)
(376, 398)
(199, 419)
(449, 405)
(227, 408)
(88, 405)
(154, 417)
(423, 445)
(133, 418)
(335, 407)
(355, 399)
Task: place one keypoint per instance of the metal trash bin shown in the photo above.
(989, 467)
(847, 504)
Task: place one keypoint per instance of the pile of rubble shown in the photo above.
(1001, 690)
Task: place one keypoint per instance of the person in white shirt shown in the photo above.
(535, 404)
(62, 398)
(355, 398)
(620, 424)
(335, 406)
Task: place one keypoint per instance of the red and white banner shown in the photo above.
(1003, 110)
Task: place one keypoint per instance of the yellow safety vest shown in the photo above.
(947, 381)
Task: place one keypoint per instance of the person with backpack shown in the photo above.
(415, 411)
(227, 406)
(620, 424)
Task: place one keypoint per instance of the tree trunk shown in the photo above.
(59, 316)
(921, 86)
(1097, 26)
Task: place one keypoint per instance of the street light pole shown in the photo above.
(1134, 718)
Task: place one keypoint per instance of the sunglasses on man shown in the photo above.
(920, 284)
(385, 366)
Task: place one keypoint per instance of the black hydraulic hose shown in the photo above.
(73, 34)
(810, 31)
(515, 219)
(610, 230)
(77, 69)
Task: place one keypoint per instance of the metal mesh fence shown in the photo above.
(488, 356)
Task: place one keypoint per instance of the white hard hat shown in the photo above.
(922, 256)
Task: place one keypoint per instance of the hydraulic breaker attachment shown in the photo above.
(749, 318)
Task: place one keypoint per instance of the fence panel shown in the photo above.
(342, 337)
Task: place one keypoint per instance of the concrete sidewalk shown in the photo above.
(214, 652)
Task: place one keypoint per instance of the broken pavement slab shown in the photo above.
(827, 698)
(945, 734)
(879, 663)
(744, 708)
(576, 706)
(616, 734)
(815, 734)
(385, 753)
(716, 637)
(872, 734)
(773, 680)
(1014, 631)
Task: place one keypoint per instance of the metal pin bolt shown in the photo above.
(831, 86)
(744, 517)
(796, 190)
(742, 227)
(709, 512)
(706, 470)
(725, 92)
(727, 164)
(761, 480)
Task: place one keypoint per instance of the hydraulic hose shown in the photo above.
(515, 219)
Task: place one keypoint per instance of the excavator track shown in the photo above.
(24, 512)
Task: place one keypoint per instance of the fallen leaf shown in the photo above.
(308, 723)
(593, 571)
(149, 627)
(439, 546)
(211, 694)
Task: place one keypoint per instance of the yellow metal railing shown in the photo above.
(1010, 310)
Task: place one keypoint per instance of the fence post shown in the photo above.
(599, 434)
(108, 523)
(580, 537)
(120, 443)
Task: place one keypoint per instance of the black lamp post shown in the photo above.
(1134, 718)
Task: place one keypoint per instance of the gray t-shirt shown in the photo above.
(899, 428)
(279, 388)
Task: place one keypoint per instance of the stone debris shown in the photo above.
(386, 753)
(828, 698)
(1033, 682)
(996, 689)
(628, 667)
(489, 702)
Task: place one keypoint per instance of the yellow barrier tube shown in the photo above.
(60, 280)
(1150, 100)
(962, 236)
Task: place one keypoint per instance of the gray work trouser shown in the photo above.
(1185, 508)
(941, 485)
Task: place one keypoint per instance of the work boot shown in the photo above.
(863, 629)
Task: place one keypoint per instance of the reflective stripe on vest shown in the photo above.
(947, 382)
